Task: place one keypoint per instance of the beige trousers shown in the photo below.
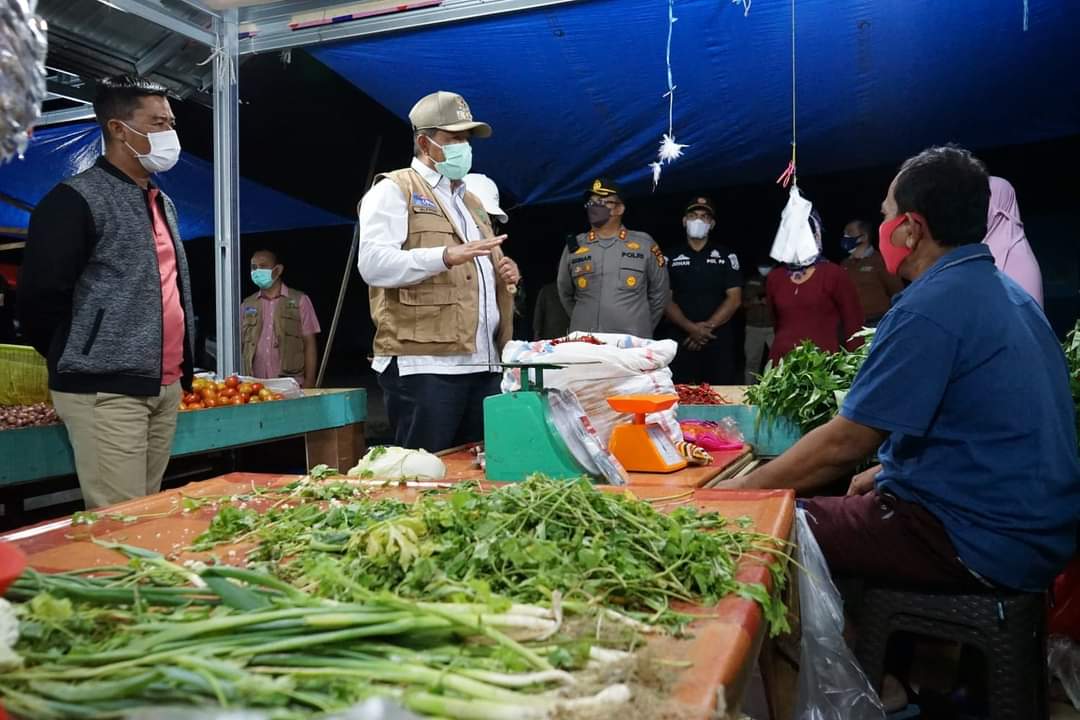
(122, 443)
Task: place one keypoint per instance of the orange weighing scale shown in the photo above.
(643, 446)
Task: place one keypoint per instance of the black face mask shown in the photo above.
(598, 214)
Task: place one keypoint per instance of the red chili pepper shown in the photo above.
(699, 395)
(589, 339)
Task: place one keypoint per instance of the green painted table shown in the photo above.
(331, 420)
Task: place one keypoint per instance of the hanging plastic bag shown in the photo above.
(23, 47)
(832, 686)
(795, 243)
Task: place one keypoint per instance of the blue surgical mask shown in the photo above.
(262, 277)
(458, 160)
(848, 243)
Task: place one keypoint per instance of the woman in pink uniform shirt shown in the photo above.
(1007, 241)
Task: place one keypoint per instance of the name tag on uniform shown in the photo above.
(633, 255)
(251, 311)
(423, 204)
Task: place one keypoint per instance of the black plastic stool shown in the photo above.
(1008, 628)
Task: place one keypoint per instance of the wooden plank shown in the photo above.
(36, 453)
(337, 447)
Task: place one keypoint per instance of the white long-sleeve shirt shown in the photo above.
(384, 227)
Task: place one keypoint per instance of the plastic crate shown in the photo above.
(24, 377)
(768, 439)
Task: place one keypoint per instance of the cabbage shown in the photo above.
(395, 463)
(9, 635)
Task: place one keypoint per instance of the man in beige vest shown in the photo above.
(439, 285)
(278, 326)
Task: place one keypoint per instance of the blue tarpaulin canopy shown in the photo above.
(577, 90)
(59, 152)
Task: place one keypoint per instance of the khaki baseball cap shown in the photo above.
(446, 111)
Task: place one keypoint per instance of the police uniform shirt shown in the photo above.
(614, 285)
(701, 279)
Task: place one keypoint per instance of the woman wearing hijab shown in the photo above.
(1008, 243)
(816, 301)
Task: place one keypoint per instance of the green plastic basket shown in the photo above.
(24, 377)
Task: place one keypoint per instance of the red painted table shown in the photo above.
(723, 644)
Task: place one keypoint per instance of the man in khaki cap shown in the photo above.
(439, 285)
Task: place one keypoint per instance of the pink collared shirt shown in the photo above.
(172, 312)
(267, 363)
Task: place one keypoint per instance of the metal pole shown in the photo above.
(227, 193)
(348, 268)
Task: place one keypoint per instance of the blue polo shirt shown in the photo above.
(971, 384)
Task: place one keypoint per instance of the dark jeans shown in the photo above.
(713, 364)
(883, 540)
(436, 412)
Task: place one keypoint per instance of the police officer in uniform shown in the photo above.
(612, 279)
(706, 290)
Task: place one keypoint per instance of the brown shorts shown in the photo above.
(879, 538)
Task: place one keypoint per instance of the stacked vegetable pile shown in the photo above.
(808, 384)
(98, 647)
(702, 394)
(465, 604)
(523, 541)
(21, 416)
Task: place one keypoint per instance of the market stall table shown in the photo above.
(721, 648)
(330, 420)
(461, 466)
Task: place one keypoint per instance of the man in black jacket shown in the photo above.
(105, 296)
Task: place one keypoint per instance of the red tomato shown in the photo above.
(232, 381)
(228, 393)
(196, 406)
(279, 396)
(210, 402)
(256, 387)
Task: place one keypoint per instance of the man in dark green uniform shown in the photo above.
(706, 290)
(613, 279)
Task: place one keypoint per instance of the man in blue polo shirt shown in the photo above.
(965, 399)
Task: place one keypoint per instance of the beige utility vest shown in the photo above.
(287, 329)
(438, 316)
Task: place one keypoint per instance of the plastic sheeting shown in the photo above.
(59, 152)
(576, 90)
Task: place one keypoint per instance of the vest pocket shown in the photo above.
(429, 313)
(94, 330)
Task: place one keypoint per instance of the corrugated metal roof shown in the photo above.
(94, 40)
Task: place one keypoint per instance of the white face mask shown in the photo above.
(698, 228)
(164, 150)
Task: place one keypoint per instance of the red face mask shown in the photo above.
(891, 254)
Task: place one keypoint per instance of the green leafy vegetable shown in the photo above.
(808, 384)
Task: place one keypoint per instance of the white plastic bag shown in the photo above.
(581, 438)
(832, 685)
(1063, 661)
(623, 365)
(795, 243)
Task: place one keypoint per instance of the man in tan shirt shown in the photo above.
(876, 286)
